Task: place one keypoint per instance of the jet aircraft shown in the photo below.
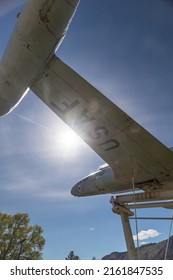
(29, 62)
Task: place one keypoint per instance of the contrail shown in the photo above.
(35, 123)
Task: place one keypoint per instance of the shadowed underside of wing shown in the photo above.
(126, 146)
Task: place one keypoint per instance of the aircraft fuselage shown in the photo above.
(104, 181)
(100, 182)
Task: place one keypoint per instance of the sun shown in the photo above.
(69, 139)
(69, 143)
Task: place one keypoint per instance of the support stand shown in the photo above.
(122, 204)
(125, 214)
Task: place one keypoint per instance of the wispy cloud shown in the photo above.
(56, 195)
(145, 234)
(91, 229)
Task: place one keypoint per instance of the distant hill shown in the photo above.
(152, 251)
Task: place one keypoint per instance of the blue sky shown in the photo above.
(125, 49)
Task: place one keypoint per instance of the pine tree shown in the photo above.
(72, 256)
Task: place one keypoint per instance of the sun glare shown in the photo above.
(70, 144)
(69, 139)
